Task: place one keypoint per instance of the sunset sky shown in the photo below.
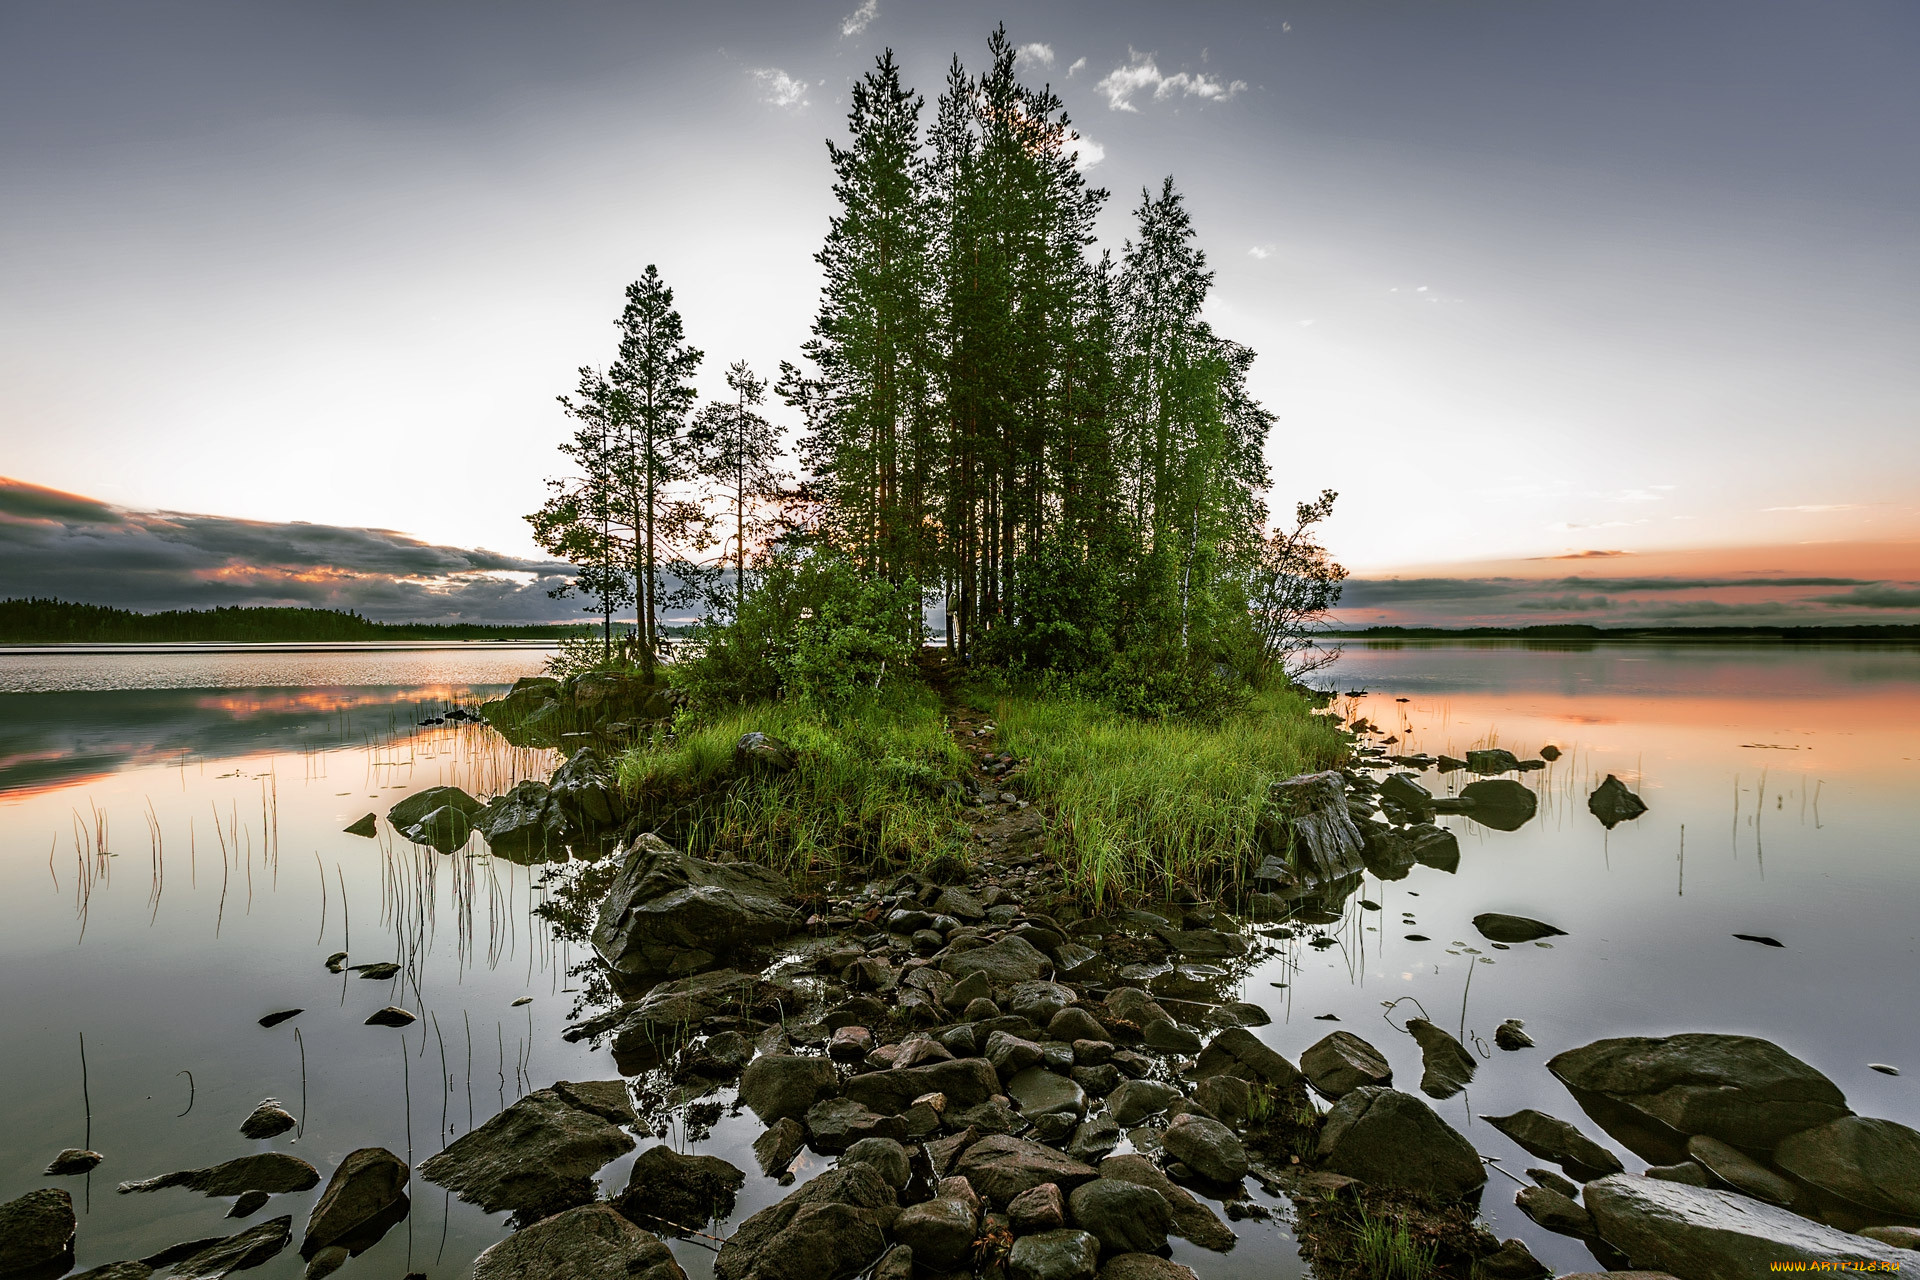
(1600, 313)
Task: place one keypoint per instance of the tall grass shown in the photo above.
(867, 786)
(1384, 1249)
(1141, 806)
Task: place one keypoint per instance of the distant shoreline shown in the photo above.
(1838, 634)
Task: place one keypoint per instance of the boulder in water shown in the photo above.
(679, 1192)
(1343, 1062)
(366, 1195)
(1552, 1138)
(366, 825)
(1704, 1234)
(1740, 1089)
(1308, 823)
(524, 824)
(592, 1242)
(274, 1172)
(1492, 760)
(1448, 1067)
(1500, 803)
(251, 1248)
(537, 1157)
(668, 913)
(1613, 804)
(1394, 1141)
(1872, 1163)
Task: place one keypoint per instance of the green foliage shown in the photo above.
(1063, 617)
(869, 785)
(1384, 1249)
(815, 630)
(1142, 806)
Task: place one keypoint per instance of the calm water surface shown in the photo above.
(1781, 785)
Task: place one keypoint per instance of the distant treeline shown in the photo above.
(59, 622)
(1580, 631)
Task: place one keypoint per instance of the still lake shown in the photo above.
(173, 867)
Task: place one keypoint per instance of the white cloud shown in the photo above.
(1261, 251)
(779, 89)
(1035, 54)
(1079, 64)
(857, 21)
(1086, 153)
(1143, 74)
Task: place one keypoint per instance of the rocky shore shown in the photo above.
(1009, 1085)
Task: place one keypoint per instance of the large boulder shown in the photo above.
(36, 1233)
(602, 697)
(1552, 1138)
(829, 1228)
(1703, 1234)
(1394, 1141)
(1066, 1254)
(941, 1232)
(1740, 1089)
(537, 1157)
(513, 714)
(366, 1194)
(1873, 1163)
(668, 913)
(1238, 1052)
(662, 1021)
(1005, 963)
(1192, 1220)
(584, 792)
(1207, 1147)
(783, 1086)
(1000, 1167)
(1123, 1216)
(524, 825)
(679, 1192)
(1308, 825)
(591, 1242)
(1342, 1062)
(966, 1082)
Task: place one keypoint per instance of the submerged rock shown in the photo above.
(1740, 1089)
(536, 1157)
(668, 913)
(1394, 1141)
(274, 1172)
(36, 1233)
(1613, 804)
(366, 825)
(591, 1242)
(1511, 1035)
(1492, 760)
(365, 1196)
(1718, 1235)
(275, 1019)
(431, 817)
(391, 1016)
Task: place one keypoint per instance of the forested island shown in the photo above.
(35, 621)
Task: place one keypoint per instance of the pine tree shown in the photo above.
(576, 521)
(650, 454)
(736, 449)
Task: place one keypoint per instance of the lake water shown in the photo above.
(173, 867)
